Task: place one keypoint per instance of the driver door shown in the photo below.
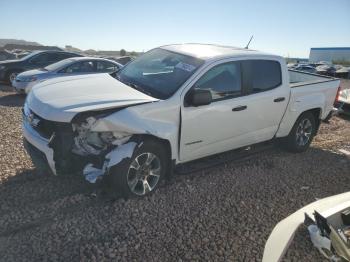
(221, 125)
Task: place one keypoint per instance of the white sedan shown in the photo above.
(24, 82)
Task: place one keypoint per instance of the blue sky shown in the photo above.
(287, 28)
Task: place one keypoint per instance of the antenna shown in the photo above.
(246, 47)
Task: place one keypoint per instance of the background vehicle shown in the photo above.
(71, 66)
(169, 106)
(5, 55)
(326, 70)
(11, 68)
(305, 68)
(343, 101)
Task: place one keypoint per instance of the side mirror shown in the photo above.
(199, 97)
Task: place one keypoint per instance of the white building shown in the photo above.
(330, 54)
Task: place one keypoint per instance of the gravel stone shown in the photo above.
(223, 213)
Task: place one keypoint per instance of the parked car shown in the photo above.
(9, 69)
(306, 68)
(172, 105)
(326, 70)
(343, 72)
(5, 55)
(70, 66)
(343, 101)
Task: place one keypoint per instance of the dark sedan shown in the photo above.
(9, 69)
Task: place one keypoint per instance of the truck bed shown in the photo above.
(298, 78)
(308, 91)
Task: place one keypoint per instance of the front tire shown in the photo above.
(11, 76)
(140, 175)
(302, 133)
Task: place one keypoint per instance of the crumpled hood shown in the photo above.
(60, 99)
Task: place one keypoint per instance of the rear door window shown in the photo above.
(262, 75)
(40, 58)
(80, 67)
(53, 57)
(105, 67)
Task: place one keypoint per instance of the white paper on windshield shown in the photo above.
(186, 67)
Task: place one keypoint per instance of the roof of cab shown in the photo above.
(210, 51)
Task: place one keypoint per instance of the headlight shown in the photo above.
(87, 142)
(29, 79)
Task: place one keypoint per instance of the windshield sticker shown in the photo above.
(186, 67)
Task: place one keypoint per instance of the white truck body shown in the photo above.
(192, 131)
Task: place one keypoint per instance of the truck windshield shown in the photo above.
(159, 72)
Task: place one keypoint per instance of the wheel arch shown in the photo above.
(287, 124)
(167, 145)
(12, 70)
(317, 113)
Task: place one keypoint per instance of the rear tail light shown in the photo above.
(338, 95)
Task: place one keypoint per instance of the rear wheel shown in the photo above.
(302, 133)
(140, 175)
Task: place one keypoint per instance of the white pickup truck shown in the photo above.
(173, 104)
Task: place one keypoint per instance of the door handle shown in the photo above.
(280, 99)
(239, 108)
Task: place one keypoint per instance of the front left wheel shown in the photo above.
(141, 174)
(11, 76)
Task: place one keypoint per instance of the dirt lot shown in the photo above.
(224, 213)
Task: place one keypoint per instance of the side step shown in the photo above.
(237, 155)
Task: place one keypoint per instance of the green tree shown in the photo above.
(122, 52)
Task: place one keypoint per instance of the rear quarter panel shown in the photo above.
(306, 97)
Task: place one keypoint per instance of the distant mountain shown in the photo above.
(4, 42)
(72, 49)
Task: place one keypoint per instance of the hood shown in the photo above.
(60, 99)
(34, 72)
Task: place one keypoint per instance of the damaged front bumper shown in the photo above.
(36, 140)
(114, 157)
(74, 148)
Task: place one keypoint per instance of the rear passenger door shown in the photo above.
(268, 96)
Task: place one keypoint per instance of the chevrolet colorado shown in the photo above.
(173, 104)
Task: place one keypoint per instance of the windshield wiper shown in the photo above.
(139, 88)
(134, 86)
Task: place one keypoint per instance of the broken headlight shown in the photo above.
(88, 142)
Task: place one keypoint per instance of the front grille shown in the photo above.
(44, 127)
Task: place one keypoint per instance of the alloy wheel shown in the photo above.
(303, 133)
(144, 173)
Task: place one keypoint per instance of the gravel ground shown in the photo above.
(224, 213)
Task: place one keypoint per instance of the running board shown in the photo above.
(236, 155)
